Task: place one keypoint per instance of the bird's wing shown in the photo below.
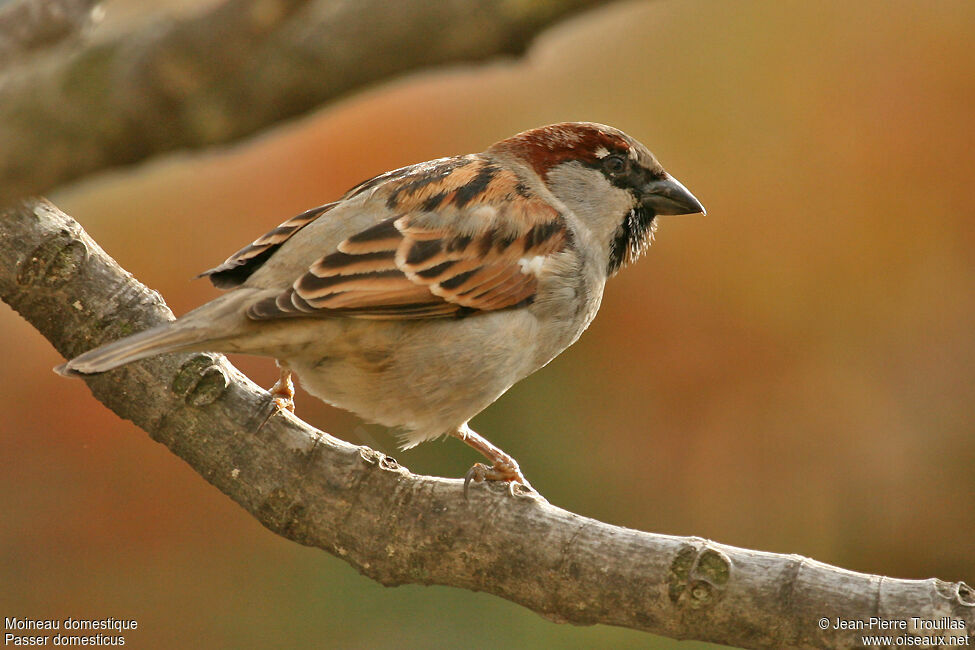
(235, 270)
(463, 235)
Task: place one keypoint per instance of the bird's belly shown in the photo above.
(427, 379)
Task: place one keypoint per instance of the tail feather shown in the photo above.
(211, 324)
(169, 337)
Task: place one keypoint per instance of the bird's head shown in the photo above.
(610, 181)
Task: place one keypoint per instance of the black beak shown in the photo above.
(668, 196)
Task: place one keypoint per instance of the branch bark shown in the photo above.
(30, 25)
(397, 527)
(232, 71)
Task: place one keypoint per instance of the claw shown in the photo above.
(476, 474)
(278, 405)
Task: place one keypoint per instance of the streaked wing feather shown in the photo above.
(235, 270)
(459, 244)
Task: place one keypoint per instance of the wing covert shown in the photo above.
(474, 239)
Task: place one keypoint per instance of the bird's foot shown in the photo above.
(502, 470)
(283, 403)
(503, 467)
(282, 396)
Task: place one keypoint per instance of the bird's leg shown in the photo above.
(283, 390)
(282, 393)
(503, 467)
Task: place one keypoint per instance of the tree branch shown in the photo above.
(397, 527)
(240, 67)
(30, 25)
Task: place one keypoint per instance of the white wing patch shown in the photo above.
(532, 265)
(485, 212)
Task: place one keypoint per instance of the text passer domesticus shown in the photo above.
(425, 293)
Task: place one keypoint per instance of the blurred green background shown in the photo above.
(794, 372)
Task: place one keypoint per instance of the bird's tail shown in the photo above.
(208, 327)
(169, 337)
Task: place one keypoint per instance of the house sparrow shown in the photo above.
(423, 294)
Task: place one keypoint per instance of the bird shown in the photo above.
(424, 293)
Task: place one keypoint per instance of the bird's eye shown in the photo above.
(614, 164)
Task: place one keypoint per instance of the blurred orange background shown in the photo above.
(794, 372)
